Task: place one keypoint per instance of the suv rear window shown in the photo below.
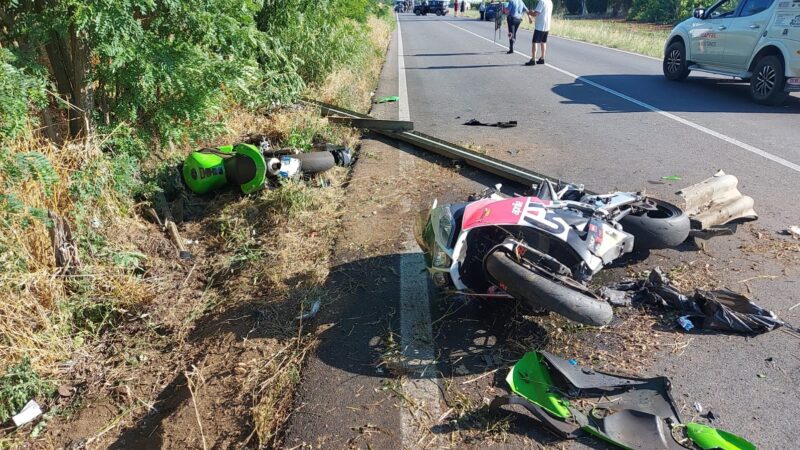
(752, 7)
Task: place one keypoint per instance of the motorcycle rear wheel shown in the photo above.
(538, 290)
(666, 226)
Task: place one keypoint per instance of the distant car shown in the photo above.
(492, 10)
(438, 7)
(755, 40)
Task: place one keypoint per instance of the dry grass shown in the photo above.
(33, 321)
(644, 38)
(263, 258)
(352, 86)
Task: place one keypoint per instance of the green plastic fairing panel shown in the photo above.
(530, 379)
(204, 172)
(209, 169)
(257, 181)
(709, 438)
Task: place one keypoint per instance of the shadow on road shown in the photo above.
(473, 66)
(453, 54)
(696, 94)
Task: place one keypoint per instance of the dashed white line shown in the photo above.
(689, 123)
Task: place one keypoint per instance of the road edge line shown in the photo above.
(416, 329)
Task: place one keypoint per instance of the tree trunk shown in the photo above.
(64, 248)
(82, 92)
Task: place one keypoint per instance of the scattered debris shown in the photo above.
(513, 152)
(391, 98)
(685, 323)
(721, 310)
(29, 412)
(574, 401)
(761, 375)
(311, 312)
(615, 297)
(65, 390)
(698, 407)
(717, 201)
(476, 122)
(793, 231)
(672, 178)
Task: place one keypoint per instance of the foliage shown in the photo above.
(19, 384)
(597, 6)
(18, 92)
(661, 11)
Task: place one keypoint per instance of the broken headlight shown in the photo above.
(441, 260)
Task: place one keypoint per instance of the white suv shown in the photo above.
(755, 40)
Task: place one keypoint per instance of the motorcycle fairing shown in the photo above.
(631, 413)
(529, 211)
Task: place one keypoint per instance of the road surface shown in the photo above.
(593, 115)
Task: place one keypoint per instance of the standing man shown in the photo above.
(515, 10)
(543, 13)
(463, 6)
(455, 9)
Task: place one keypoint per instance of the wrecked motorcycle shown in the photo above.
(543, 249)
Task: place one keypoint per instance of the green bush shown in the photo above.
(18, 92)
(661, 11)
(597, 6)
(573, 6)
(19, 384)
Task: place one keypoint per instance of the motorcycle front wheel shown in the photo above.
(537, 290)
(656, 224)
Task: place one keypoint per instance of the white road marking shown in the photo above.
(689, 123)
(402, 91)
(421, 388)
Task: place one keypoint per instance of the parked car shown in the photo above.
(438, 7)
(492, 10)
(754, 40)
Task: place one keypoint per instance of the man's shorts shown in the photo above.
(540, 36)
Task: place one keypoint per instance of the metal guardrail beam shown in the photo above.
(373, 124)
(449, 150)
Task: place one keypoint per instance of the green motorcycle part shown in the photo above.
(247, 168)
(211, 168)
(709, 438)
(530, 379)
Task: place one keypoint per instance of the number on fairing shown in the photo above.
(548, 223)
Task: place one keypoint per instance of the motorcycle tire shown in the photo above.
(537, 291)
(315, 161)
(667, 226)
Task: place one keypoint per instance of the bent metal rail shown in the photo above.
(449, 150)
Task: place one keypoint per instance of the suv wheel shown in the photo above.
(675, 65)
(768, 81)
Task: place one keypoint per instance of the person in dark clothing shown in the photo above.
(463, 4)
(515, 10)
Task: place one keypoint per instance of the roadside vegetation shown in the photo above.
(639, 26)
(643, 38)
(117, 338)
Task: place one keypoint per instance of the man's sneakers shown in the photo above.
(533, 63)
(509, 52)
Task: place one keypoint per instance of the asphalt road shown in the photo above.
(597, 116)
(575, 130)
